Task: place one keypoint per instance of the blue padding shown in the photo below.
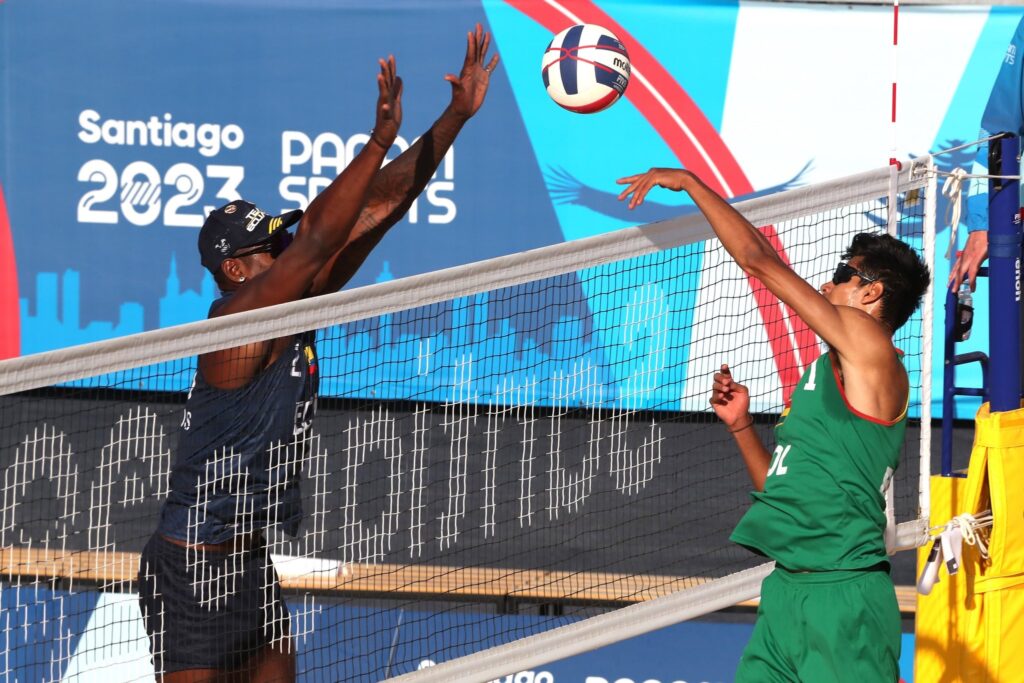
(34, 620)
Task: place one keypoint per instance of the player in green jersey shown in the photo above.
(828, 612)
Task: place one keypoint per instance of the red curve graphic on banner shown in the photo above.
(10, 317)
(696, 143)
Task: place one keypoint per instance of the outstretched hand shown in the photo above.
(641, 183)
(389, 104)
(730, 400)
(470, 86)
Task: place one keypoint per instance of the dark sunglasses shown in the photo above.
(274, 246)
(844, 271)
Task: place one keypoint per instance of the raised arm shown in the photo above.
(843, 327)
(397, 185)
(261, 280)
(331, 216)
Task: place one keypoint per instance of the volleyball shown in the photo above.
(585, 68)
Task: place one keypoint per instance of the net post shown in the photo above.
(927, 334)
(1004, 272)
(948, 383)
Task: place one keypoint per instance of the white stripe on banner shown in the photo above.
(805, 101)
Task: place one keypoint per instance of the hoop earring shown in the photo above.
(241, 279)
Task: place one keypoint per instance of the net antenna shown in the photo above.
(517, 455)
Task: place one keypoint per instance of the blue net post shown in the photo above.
(1004, 244)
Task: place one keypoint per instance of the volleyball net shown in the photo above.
(516, 447)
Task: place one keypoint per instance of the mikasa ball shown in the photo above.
(585, 68)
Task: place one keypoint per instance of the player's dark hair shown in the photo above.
(904, 276)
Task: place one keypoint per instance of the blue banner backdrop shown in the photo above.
(125, 123)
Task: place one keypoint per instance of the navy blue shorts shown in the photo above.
(209, 610)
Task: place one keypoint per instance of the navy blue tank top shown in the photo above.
(240, 452)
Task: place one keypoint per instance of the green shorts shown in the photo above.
(824, 627)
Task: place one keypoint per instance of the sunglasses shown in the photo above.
(844, 271)
(274, 246)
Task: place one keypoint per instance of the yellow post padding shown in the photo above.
(970, 628)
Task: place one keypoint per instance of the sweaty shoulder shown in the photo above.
(869, 339)
(235, 367)
(217, 308)
(873, 378)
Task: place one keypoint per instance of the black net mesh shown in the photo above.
(477, 470)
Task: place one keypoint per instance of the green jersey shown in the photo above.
(823, 504)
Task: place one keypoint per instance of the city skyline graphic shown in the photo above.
(516, 345)
(57, 320)
(53, 320)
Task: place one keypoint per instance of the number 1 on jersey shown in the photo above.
(809, 385)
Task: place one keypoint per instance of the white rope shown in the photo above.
(952, 189)
(969, 525)
(947, 546)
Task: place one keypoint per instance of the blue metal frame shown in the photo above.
(949, 389)
(1002, 389)
(1004, 241)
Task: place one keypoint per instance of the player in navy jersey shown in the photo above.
(210, 595)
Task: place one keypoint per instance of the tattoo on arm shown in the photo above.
(397, 185)
(393, 190)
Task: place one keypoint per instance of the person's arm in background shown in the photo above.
(969, 260)
(975, 251)
(1004, 112)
